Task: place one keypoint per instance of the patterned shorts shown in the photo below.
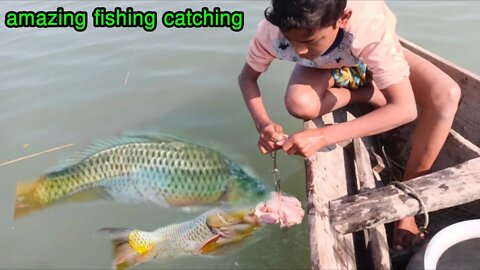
(350, 77)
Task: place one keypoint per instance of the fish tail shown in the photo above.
(130, 247)
(26, 199)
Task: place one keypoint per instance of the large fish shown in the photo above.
(158, 169)
(202, 235)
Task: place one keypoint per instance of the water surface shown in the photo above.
(60, 86)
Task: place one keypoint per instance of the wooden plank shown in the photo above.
(376, 238)
(326, 181)
(456, 150)
(466, 121)
(450, 187)
(376, 242)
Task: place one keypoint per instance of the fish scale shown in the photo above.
(161, 169)
(195, 231)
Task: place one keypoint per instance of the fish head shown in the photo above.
(229, 227)
(244, 188)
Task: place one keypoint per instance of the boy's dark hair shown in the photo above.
(304, 14)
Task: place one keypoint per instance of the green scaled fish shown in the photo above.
(205, 234)
(156, 169)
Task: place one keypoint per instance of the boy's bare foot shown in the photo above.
(406, 234)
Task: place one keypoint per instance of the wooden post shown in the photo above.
(376, 238)
(326, 181)
(446, 188)
(376, 243)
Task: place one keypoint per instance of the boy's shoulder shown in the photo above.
(267, 29)
(375, 41)
(368, 15)
(366, 5)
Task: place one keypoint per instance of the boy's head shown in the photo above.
(311, 26)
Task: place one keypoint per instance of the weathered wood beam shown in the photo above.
(376, 238)
(466, 121)
(326, 181)
(446, 188)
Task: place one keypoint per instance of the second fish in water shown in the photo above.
(158, 169)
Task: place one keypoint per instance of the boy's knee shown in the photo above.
(447, 100)
(450, 97)
(454, 93)
(302, 104)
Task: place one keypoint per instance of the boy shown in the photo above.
(333, 42)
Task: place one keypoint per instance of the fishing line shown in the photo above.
(275, 172)
(276, 181)
(36, 154)
(130, 65)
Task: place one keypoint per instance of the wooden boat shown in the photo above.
(346, 195)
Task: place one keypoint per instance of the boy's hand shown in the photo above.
(271, 137)
(305, 143)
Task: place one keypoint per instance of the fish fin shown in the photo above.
(88, 195)
(126, 253)
(101, 145)
(174, 141)
(210, 245)
(221, 241)
(228, 227)
(218, 241)
(155, 137)
(26, 201)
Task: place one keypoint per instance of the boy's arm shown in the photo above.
(260, 56)
(400, 109)
(247, 80)
(269, 131)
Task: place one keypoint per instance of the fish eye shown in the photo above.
(261, 189)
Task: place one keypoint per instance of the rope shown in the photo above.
(415, 195)
(407, 189)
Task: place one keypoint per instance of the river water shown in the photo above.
(60, 87)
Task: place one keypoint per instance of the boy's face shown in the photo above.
(310, 44)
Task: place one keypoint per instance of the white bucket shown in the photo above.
(447, 238)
